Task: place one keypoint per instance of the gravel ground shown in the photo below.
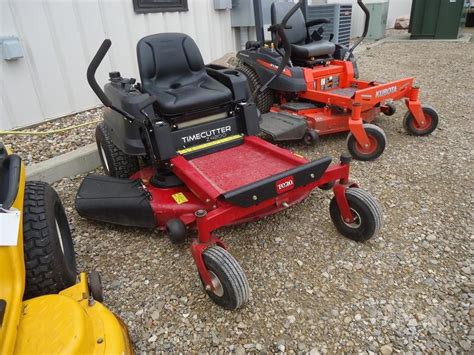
(408, 290)
(34, 149)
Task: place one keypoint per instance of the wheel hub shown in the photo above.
(368, 148)
(218, 290)
(357, 221)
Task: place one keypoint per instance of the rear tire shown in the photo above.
(412, 127)
(378, 142)
(264, 100)
(367, 212)
(49, 252)
(231, 285)
(114, 162)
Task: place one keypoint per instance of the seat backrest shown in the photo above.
(165, 57)
(298, 32)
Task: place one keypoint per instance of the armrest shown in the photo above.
(319, 21)
(233, 79)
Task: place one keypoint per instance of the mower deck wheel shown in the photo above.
(95, 286)
(49, 252)
(231, 288)
(377, 139)
(431, 122)
(114, 162)
(311, 137)
(176, 231)
(368, 218)
(389, 109)
(327, 187)
(264, 100)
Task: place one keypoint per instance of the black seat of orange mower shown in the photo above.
(172, 69)
(302, 46)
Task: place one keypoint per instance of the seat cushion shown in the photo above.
(198, 95)
(313, 49)
(172, 69)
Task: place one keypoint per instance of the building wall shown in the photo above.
(60, 38)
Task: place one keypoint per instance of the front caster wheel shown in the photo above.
(389, 109)
(367, 214)
(231, 288)
(377, 143)
(176, 231)
(311, 137)
(431, 122)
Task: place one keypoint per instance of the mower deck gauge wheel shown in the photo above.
(176, 231)
(389, 109)
(311, 137)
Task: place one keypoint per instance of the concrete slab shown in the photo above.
(69, 164)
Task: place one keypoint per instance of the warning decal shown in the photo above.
(179, 198)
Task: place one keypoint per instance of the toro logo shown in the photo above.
(285, 184)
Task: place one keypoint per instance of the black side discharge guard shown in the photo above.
(114, 200)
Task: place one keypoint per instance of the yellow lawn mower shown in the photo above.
(43, 309)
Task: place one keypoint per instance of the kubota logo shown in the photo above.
(285, 184)
(386, 92)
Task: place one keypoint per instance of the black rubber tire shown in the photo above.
(370, 217)
(326, 187)
(95, 286)
(264, 100)
(391, 109)
(409, 122)
(176, 231)
(378, 141)
(48, 268)
(311, 137)
(231, 276)
(114, 162)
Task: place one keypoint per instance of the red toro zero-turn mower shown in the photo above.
(318, 92)
(195, 128)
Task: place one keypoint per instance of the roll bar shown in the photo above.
(280, 30)
(366, 28)
(91, 70)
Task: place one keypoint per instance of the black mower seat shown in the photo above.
(302, 46)
(171, 68)
(313, 49)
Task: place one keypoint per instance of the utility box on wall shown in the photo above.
(437, 19)
(378, 20)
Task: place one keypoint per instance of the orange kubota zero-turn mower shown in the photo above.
(44, 309)
(319, 92)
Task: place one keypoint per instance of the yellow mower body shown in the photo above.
(70, 322)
